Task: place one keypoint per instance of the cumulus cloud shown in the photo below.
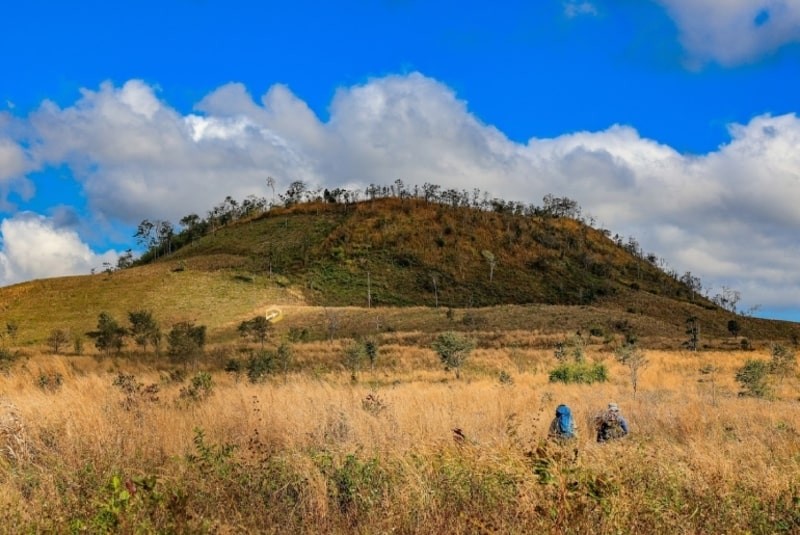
(728, 215)
(12, 159)
(14, 162)
(33, 247)
(732, 32)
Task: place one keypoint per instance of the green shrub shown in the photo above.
(234, 367)
(783, 362)
(356, 486)
(297, 334)
(753, 378)
(453, 350)
(579, 372)
(199, 388)
(261, 364)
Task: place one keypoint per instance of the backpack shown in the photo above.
(609, 427)
(566, 427)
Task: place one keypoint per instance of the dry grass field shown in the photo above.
(313, 451)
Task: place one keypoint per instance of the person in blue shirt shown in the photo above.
(562, 428)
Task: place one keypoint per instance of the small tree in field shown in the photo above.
(353, 356)
(783, 362)
(257, 329)
(734, 328)
(144, 329)
(371, 349)
(109, 336)
(284, 357)
(453, 350)
(753, 377)
(693, 330)
(635, 360)
(57, 339)
(186, 341)
(77, 344)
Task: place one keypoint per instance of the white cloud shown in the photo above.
(574, 9)
(723, 215)
(732, 32)
(14, 163)
(32, 247)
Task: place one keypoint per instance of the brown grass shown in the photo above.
(317, 452)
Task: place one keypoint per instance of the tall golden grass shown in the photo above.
(316, 452)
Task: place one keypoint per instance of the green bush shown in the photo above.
(261, 364)
(579, 372)
(753, 378)
(199, 388)
(453, 349)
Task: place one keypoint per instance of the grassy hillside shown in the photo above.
(418, 253)
(493, 272)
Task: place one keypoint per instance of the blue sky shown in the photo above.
(669, 120)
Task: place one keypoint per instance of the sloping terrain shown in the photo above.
(493, 271)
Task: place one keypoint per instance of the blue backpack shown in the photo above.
(566, 426)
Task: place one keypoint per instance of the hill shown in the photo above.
(420, 253)
(494, 270)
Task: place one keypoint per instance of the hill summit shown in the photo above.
(406, 251)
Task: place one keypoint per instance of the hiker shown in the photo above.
(562, 428)
(611, 424)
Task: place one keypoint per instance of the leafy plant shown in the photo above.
(693, 331)
(144, 329)
(134, 391)
(260, 364)
(371, 349)
(257, 329)
(57, 340)
(211, 458)
(199, 388)
(283, 357)
(109, 336)
(186, 341)
(352, 358)
(122, 497)
(579, 372)
(753, 377)
(783, 361)
(453, 350)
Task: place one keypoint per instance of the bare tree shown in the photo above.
(435, 281)
(332, 323)
(271, 184)
(57, 339)
(635, 360)
(491, 260)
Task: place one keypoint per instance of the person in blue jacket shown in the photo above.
(562, 428)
